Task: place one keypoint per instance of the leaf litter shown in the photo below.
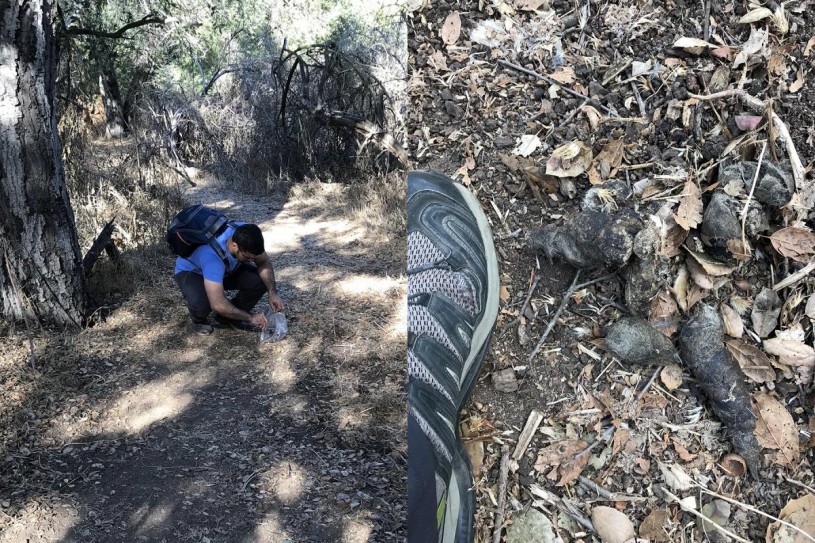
(661, 197)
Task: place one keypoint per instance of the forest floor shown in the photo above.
(137, 430)
(547, 109)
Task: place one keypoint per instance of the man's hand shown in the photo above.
(276, 303)
(259, 320)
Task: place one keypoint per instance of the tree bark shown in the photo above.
(40, 260)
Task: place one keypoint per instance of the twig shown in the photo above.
(593, 281)
(798, 171)
(802, 485)
(640, 103)
(551, 81)
(535, 282)
(553, 320)
(750, 199)
(531, 426)
(605, 434)
(706, 22)
(587, 483)
(696, 513)
(647, 385)
(563, 505)
(502, 495)
(795, 277)
(753, 510)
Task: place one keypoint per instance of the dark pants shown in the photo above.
(245, 280)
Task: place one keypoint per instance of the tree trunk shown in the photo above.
(40, 260)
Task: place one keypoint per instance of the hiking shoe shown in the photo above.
(233, 324)
(201, 328)
(452, 307)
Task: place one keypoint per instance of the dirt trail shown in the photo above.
(158, 435)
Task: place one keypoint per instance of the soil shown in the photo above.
(137, 430)
(467, 115)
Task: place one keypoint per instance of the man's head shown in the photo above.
(247, 242)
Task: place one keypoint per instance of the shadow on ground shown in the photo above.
(136, 431)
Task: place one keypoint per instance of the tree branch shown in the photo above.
(146, 20)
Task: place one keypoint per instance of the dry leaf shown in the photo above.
(693, 45)
(564, 75)
(683, 453)
(753, 362)
(775, 429)
(794, 243)
(756, 42)
(809, 310)
(724, 52)
(696, 294)
(733, 326)
(710, 265)
(671, 376)
(451, 29)
(656, 526)
(556, 453)
(689, 214)
(780, 20)
(593, 115)
(489, 33)
(561, 455)
(504, 293)
(607, 162)
(810, 44)
(801, 514)
(529, 144)
(790, 351)
(766, 309)
(529, 5)
(611, 525)
(675, 477)
(664, 313)
(748, 122)
(799, 81)
(756, 15)
(569, 160)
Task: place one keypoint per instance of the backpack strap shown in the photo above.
(219, 225)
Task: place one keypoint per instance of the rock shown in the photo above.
(531, 526)
(504, 380)
(590, 239)
(765, 313)
(637, 342)
(611, 525)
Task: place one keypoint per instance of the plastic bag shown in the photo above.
(276, 328)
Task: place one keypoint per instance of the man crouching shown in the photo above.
(246, 267)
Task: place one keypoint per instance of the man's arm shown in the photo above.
(221, 305)
(266, 272)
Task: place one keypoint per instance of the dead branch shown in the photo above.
(553, 320)
(149, 19)
(502, 495)
(101, 242)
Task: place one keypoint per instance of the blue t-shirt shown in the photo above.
(205, 261)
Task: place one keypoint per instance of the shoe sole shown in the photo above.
(482, 332)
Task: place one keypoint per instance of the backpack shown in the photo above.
(194, 226)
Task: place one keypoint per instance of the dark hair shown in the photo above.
(249, 239)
